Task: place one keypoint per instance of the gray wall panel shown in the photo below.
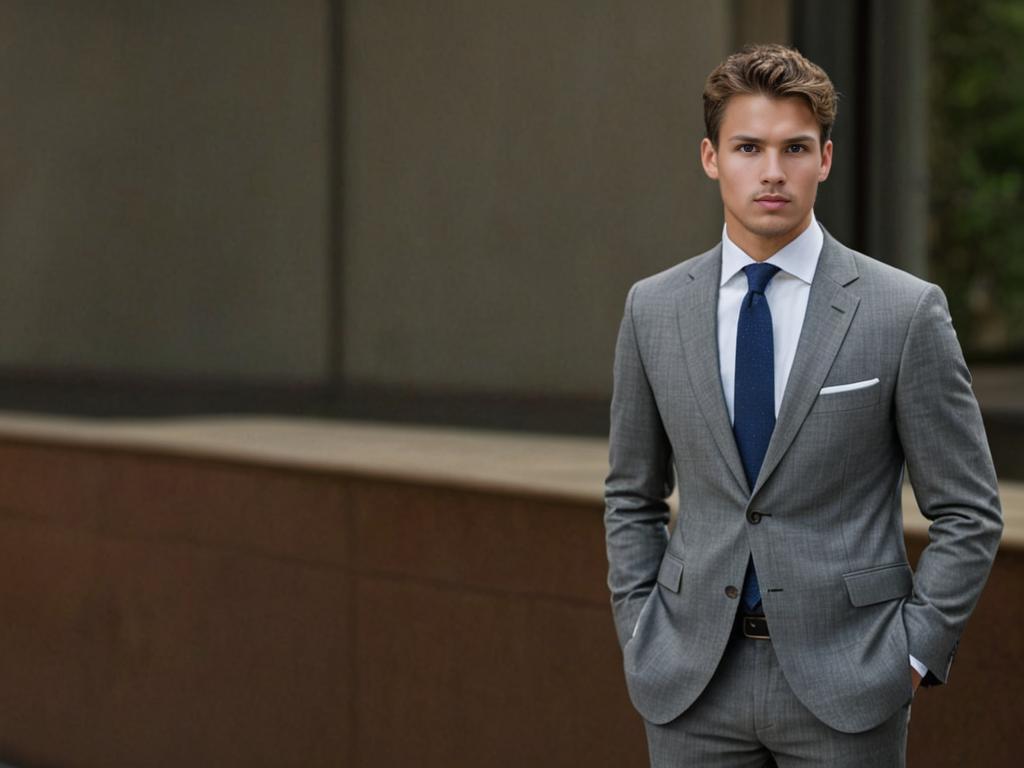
(162, 187)
(511, 167)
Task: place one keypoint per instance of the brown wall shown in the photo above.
(169, 611)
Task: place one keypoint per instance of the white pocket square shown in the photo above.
(848, 387)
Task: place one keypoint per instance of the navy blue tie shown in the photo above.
(754, 395)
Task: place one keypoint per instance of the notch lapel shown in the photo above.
(830, 310)
(697, 314)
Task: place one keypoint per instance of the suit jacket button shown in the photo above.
(731, 592)
(754, 517)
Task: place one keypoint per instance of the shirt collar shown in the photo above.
(799, 258)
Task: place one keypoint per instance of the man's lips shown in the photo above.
(771, 202)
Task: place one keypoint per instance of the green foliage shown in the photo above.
(977, 169)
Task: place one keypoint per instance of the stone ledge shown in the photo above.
(556, 467)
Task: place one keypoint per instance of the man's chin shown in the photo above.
(773, 228)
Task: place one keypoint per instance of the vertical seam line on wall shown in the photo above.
(335, 198)
(352, 530)
(862, 121)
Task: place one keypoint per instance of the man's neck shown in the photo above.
(761, 248)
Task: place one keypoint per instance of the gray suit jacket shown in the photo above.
(843, 605)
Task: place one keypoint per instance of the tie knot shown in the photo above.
(759, 275)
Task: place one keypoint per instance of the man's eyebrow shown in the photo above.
(805, 138)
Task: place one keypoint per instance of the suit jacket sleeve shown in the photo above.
(639, 482)
(950, 467)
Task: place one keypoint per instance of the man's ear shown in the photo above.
(709, 158)
(826, 161)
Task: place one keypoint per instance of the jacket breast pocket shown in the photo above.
(848, 400)
(878, 584)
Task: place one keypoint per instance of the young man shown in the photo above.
(786, 380)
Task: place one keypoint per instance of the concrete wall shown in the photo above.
(511, 167)
(163, 187)
(440, 196)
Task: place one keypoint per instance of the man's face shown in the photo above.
(768, 164)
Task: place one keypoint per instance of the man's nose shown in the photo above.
(772, 172)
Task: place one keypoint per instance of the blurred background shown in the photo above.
(237, 234)
(432, 211)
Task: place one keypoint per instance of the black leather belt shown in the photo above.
(755, 627)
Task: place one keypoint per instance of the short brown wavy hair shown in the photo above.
(771, 70)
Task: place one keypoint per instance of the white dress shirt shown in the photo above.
(787, 295)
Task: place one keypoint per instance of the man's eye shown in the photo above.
(796, 148)
(746, 148)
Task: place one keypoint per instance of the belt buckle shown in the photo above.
(755, 627)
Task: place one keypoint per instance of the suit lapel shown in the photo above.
(830, 310)
(697, 314)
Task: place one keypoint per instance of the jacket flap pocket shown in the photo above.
(670, 575)
(876, 585)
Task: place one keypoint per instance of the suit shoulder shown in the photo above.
(665, 284)
(893, 284)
